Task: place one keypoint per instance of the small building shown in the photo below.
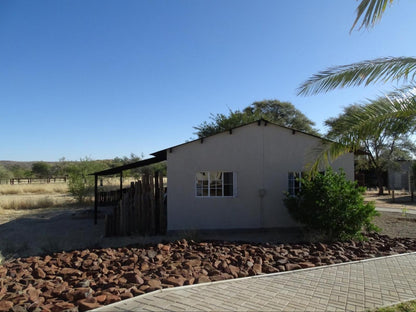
(400, 175)
(237, 179)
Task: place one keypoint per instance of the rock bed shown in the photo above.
(85, 279)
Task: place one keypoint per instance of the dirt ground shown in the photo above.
(41, 231)
(395, 224)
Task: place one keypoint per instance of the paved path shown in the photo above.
(354, 286)
(398, 210)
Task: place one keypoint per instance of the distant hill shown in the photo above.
(23, 164)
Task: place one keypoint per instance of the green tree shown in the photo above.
(41, 169)
(332, 206)
(5, 173)
(20, 172)
(59, 169)
(382, 145)
(398, 104)
(81, 183)
(281, 113)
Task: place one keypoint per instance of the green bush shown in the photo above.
(332, 206)
(81, 183)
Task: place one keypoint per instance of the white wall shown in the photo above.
(261, 156)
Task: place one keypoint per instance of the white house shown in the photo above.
(237, 179)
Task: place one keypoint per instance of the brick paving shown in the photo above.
(353, 286)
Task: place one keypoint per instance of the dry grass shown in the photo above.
(18, 189)
(33, 202)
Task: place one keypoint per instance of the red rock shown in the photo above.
(3, 272)
(88, 304)
(154, 283)
(144, 287)
(321, 247)
(257, 268)
(39, 273)
(203, 279)
(233, 270)
(269, 269)
(6, 305)
(111, 298)
(133, 278)
(47, 259)
(144, 266)
(101, 298)
(126, 295)
(175, 281)
(190, 281)
(306, 265)
(70, 271)
(292, 266)
(33, 293)
(135, 291)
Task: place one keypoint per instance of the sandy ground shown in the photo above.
(41, 231)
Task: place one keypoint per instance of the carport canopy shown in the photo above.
(159, 157)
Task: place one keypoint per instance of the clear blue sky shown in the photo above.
(109, 78)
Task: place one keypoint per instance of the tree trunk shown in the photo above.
(379, 175)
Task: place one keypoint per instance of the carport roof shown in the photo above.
(159, 156)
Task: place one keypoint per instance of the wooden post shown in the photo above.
(95, 199)
(163, 212)
(157, 203)
(121, 185)
(152, 205)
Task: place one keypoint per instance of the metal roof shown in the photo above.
(158, 158)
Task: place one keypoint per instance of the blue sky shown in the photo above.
(109, 78)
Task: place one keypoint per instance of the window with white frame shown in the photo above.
(215, 184)
(294, 183)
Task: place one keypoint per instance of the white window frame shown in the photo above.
(294, 182)
(208, 188)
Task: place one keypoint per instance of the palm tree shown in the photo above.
(365, 72)
(398, 104)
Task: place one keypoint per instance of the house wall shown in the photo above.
(261, 156)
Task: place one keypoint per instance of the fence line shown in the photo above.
(13, 181)
(141, 210)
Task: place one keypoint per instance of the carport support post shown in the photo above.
(95, 199)
(121, 185)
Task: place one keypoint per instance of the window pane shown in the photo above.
(228, 178)
(228, 184)
(201, 184)
(228, 190)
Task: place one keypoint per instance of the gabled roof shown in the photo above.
(162, 154)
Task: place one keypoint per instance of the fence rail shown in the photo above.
(141, 209)
(34, 180)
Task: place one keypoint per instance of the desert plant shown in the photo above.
(333, 206)
(81, 182)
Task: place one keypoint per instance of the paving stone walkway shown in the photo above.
(354, 286)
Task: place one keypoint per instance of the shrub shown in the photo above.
(81, 183)
(332, 206)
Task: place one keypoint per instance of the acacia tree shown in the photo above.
(381, 146)
(398, 104)
(41, 169)
(281, 113)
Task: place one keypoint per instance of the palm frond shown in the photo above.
(372, 11)
(396, 112)
(361, 73)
